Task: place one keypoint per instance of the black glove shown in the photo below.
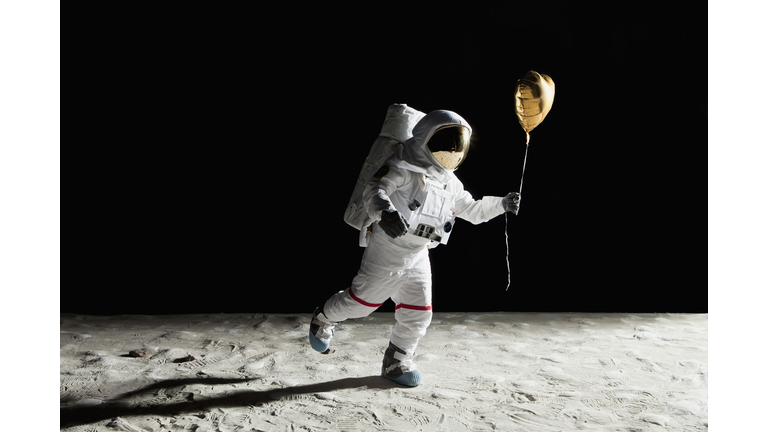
(511, 202)
(393, 223)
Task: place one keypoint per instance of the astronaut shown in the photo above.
(412, 202)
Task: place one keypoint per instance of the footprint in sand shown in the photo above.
(582, 321)
(554, 373)
(655, 419)
(321, 367)
(650, 364)
(690, 363)
(183, 335)
(523, 397)
(461, 332)
(684, 407)
(556, 358)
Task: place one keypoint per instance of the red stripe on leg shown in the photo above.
(361, 301)
(406, 306)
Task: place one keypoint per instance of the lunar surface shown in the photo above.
(482, 372)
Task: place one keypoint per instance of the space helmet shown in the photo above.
(449, 145)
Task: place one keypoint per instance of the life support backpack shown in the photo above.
(397, 128)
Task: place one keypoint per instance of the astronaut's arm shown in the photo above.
(478, 211)
(376, 193)
(378, 205)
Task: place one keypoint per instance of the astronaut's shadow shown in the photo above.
(79, 415)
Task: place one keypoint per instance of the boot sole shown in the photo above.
(320, 345)
(408, 379)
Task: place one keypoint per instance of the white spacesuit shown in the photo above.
(412, 202)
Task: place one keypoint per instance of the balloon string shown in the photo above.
(523, 174)
(506, 223)
(506, 240)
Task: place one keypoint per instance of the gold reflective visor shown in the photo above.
(449, 145)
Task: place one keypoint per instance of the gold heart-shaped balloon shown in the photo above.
(534, 94)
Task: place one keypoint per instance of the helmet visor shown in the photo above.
(449, 145)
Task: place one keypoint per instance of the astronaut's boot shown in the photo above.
(321, 332)
(398, 366)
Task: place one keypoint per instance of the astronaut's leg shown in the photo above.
(365, 295)
(413, 313)
(413, 305)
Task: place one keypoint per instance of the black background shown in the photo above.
(232, 140)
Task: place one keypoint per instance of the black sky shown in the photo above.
(246, 136)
